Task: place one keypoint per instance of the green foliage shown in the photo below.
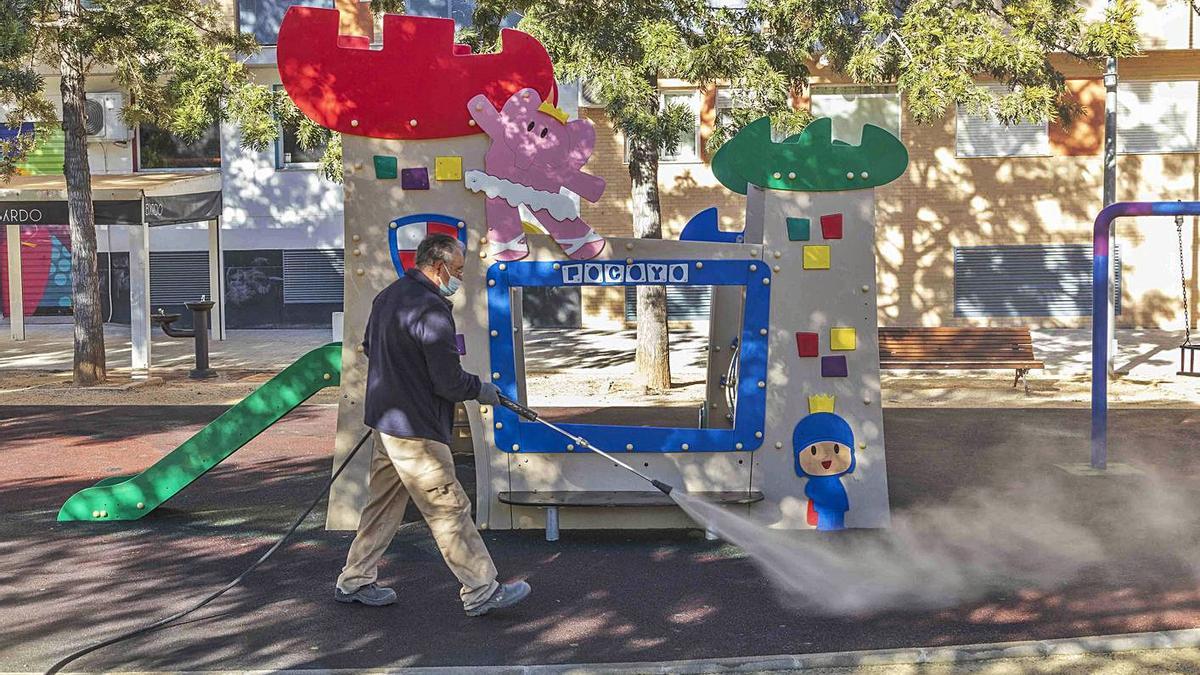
(181, 62)
(935, 51)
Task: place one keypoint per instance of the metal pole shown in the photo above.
(16, 295)
(1110, 196)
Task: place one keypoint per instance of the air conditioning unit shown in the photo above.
(102, 116)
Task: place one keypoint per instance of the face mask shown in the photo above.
(450, 287)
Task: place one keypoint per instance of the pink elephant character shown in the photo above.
(535, 153)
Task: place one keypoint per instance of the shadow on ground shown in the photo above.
(598, 596)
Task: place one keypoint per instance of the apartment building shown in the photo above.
(991, 224)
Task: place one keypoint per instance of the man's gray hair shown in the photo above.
(437, 248)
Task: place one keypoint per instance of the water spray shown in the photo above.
(534, 416)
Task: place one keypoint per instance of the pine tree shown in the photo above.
(933, 50)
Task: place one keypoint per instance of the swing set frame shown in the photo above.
(1103, 309)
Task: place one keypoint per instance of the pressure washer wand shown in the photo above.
(533, 416)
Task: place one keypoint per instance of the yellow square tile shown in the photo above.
(842, 339)
(816, 257)
(447, 168)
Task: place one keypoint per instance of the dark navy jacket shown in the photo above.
(414, 375)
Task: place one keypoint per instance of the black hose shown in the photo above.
(213, 596)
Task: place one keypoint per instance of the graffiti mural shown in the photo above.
(45, 270)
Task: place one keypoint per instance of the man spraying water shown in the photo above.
(414, 380)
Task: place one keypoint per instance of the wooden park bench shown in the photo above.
(959, 349)
(551, 501)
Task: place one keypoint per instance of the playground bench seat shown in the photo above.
(552, 500)
(943, 348)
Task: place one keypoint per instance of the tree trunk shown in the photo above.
(89, 366)
(653, 340)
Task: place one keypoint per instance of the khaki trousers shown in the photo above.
(421, 469)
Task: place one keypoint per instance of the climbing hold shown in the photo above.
(447, 168)
(842, 339)
(807, 344)
(831, 226)
(385, 167)
(816, 257)
(414, 178)
(799, 229)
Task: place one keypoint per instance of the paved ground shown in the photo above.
(599, 596)
(580, 368)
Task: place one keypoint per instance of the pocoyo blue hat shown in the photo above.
(818, 428)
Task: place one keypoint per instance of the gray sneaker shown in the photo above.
(505, 596)
(372, 595)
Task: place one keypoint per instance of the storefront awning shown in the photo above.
(170, 199)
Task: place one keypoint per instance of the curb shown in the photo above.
(1100, 644)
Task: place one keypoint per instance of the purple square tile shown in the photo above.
(460, 342)
(414, 179)
(834, 366)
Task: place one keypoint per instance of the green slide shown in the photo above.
(131, 497)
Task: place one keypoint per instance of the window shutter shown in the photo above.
(985, 136)
(684, 303)
(1158, 116)
(313, 276)
(852, 107)
(177, 277)
(1048, 280)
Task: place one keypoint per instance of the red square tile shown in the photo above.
(806, 344)
(831, 226)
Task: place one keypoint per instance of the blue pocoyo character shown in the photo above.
(823, 444)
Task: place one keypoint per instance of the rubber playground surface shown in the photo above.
(599, 597)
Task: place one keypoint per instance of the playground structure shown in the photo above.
(794, 302)
(793, 359)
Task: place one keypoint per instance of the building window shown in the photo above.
(688, 149)
(261, 18)
(1155, 117)
(289, 154)
(160, 149)
(985, 136)
(851, 107)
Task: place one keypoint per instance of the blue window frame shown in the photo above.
(517, 435)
